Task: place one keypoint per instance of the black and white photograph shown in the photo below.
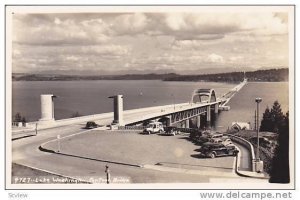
(150, 97)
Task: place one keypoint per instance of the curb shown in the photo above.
(191, 171)
(244, 173)
(250, 176)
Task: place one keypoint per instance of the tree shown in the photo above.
(280, 172)
(23, 120)
(266, 122)
(75, 114)
(277, 116)
(18, 118)
(275, 121)
(272, 119)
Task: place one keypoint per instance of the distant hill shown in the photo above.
(271, 75)
(51, 77)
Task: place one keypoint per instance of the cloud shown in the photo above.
(282, 16)
(72, 58)
(110, 50)
(214, 58)
(57, 21)
(263, 24)
(59, 29)
(208, 26)
(129, 23)
(57, 32)
(148, 41)
(42, 58)
(200, 23)
(236, 58)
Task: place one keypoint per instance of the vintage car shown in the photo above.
(154, 127)
(171, 130)
(91, 125)
(212, 150)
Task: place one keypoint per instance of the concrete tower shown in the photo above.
(118, 110)
(47, 107)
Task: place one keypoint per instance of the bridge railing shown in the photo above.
(184, 130)
(131, 128)
(187, 130)
(69, 121)
(16, 124)
(19, 124)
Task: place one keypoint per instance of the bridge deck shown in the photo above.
(141, 114)
(130, 116)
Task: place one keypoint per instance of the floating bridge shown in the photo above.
(203, 101)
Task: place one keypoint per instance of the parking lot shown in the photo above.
(130, 147)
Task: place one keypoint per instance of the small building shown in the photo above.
(240, 126)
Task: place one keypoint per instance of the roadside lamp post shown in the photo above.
(107, 171)
(58, 143)
(257, 100)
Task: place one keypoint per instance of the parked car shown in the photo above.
(170, 130)
(215, 136)
(154, 127)
(213, 150)
(195, 134)
(91, 125)
(201, 140)
(210, 137)
(227, 142)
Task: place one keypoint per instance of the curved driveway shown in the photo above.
(245, 159)
(25, 152)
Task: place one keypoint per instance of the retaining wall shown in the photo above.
(246, 144)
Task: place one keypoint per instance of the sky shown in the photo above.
(147, 42)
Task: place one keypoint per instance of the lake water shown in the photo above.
(91, 97)
(243, 105)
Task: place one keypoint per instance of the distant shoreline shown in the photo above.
(271, 75)
(233, 82)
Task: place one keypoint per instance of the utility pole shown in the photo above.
(258, 163)
(257, 100)
(255, 120)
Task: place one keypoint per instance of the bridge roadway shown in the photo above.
(130, 116)
(141, 114)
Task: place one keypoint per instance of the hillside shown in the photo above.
(271, 75)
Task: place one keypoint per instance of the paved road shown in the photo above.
(131, 147)
(245, 159)
(25, 152)
(46, 133)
